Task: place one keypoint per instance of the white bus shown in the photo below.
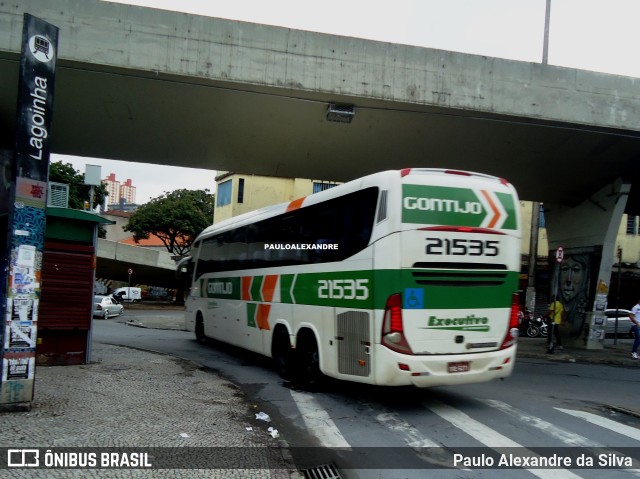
(399, 278)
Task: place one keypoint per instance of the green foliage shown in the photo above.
(176, 218)
(78, 192)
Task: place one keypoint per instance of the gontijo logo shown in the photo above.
(457, 207)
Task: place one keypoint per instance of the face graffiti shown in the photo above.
(572, 277)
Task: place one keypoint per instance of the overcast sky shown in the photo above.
(599, 35)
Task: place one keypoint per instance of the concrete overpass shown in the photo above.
(153, 86)
(150, 267)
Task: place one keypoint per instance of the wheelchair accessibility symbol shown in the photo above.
(413, 298)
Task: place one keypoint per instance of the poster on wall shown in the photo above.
(22, 309)
(20, 335)
(17, 366)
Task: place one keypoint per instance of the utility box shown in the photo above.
(68, 273)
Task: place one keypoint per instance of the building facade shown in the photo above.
(237, 193)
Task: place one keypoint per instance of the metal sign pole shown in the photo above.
(27, 212)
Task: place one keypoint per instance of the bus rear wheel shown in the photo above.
(308, 373)
(199, 329)
(281, 353)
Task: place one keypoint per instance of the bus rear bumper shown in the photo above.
(444, 370)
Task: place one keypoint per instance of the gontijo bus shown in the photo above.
(398, 278)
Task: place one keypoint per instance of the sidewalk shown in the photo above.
(128, 398)
(619, 354)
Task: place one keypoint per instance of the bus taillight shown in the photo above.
(392, 326)
(512, 331)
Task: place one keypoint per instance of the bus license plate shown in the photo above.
(459, 367)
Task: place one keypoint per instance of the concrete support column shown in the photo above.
(587, 233)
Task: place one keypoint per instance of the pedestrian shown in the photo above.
(555, 317)
(634, 316)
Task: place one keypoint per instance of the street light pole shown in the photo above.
(545, 47)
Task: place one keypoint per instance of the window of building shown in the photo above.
(240, 190)
(321, 186)
(542, 221)
(223, 195)
(631, 224)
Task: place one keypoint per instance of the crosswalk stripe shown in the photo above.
(490, 437)
(614, 426)
(414, 439)
(567, 437)
(317, 420)
(411, 435)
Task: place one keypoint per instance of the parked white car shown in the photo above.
(105, 307)
(624, 323)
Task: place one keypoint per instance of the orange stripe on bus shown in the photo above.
(295, 204)
(262, 316)
(246, 288)
(268, 287)
(494, 208)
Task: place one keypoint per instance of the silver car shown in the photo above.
(624, 323)
(105, 307)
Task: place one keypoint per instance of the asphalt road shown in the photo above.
(564, 406)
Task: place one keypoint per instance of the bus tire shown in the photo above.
(199, 329)
(281, 352)
(308, 374)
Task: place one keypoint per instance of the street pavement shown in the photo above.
(128, 398)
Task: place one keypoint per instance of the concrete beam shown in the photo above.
(163, 45)
(150, 267)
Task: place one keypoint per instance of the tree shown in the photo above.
(176, 218)
(78, 192)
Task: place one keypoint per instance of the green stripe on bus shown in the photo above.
(369, 289)
(256, 287)
(286, 281)
(340, 289)
(251, 315)
(510, 207)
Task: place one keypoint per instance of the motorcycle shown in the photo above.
(533, 327)
(537, 327)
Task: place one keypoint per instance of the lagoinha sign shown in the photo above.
(422, 204)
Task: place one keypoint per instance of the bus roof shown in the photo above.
(337, 191)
